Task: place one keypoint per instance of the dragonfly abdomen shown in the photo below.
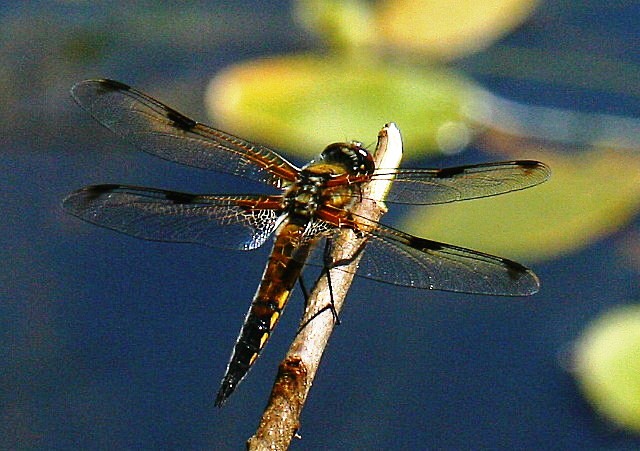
(279, 278)
(255, 332)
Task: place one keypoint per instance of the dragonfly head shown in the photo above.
(351, 156)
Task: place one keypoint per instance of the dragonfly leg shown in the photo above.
(305, 293)
(326, 269)
(329, 264)
(323, 309)
(304, 290)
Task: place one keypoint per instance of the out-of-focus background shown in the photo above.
(114, 343)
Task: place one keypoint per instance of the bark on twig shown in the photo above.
(280, 420)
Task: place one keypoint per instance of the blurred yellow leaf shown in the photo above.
(589, 195)
(444, 29)
(607, 366)
(302, 103)
(344, 24)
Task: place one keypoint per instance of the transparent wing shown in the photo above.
(437, 186)
(232, 222)
(164, 132)
(397, 258)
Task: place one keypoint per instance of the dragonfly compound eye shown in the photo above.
(352, 156)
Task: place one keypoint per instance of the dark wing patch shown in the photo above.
(235, 222)
(397, 258)
(438, 186)
(164, 132)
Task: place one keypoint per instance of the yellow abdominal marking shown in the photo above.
(274, 320)
(282, 299)
(263, 340)
(253, 358)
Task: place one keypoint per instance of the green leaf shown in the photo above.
(444, 30)
(346, 25)
(588, 196)
(302, 103)
(607, 366)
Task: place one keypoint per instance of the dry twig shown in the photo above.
(280, 420)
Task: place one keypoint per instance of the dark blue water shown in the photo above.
(113, 343)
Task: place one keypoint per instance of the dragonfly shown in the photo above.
(311, 204)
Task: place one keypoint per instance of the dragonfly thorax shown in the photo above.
(317, 187)
(304, 197)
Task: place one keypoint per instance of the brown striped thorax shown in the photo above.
(350, 164)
